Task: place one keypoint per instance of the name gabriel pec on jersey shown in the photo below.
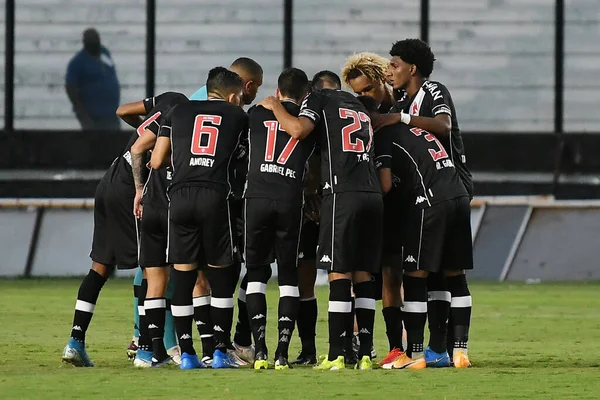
(276, 169)
(447, 163)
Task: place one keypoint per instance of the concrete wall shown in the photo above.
(516, 242)
(496, 57)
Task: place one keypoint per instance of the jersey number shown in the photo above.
(357, 117)
(209, 131)
(272, 128)
(148, 121)
(436, 155)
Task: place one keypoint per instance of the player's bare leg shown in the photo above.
(184, 279)
(460, 316)
(391, 299)
(89, 290)
(201, 301)
(307, 313)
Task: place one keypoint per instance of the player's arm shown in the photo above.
(161, 152)
(142, 145)
(132, 113)
(440, 125)
(296, 127)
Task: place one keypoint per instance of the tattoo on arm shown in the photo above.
(137, 164)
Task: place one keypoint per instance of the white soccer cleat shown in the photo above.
(175, 354)
(242, 355)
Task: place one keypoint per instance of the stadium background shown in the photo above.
(522, 74)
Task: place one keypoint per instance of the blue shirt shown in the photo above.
(200, 94)
(96, 81)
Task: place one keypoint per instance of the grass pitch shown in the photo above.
(527, 341)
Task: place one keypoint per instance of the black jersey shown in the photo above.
(277, 161)
(155, 189)
(204, 137)
(433, 99)
(120, 170)
(345, 139)
(420, 161)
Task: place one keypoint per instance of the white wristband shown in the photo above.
(405, 118)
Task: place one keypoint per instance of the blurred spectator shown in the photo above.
(92, 85)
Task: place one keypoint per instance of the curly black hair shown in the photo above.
(417, 52)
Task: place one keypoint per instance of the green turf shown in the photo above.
(527, 341)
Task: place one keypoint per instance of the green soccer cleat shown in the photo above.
(334, 365)
(364, 363)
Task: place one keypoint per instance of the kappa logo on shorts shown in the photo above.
(301, 255)
(420, 199)
(327, 186)
(325, 259)
(410, 259)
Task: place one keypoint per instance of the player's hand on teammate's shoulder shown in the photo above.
(269, 102)
(378, 121)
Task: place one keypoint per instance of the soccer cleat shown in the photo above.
(75, 353)
(391, 356)
(244, 353)
(190, 361)
(305, 359)
(461, 358)
(143, 359)
(405, 362)
(207, 360)
(260, 361)
(133, 348)
(436, 360)
(282, 363)
(334, 365)
(175, 354)
(364, 363)
(222, 360)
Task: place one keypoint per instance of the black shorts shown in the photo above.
(237, 213)
(309, 240)
(438, 238)
(201, 227)
(272, 229)
(115, 228)
(350, 235)
(394, 217)
(153, 236)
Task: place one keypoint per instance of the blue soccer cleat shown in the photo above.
(222, 360)
(436, 360)
(75, 353)
(189, 361)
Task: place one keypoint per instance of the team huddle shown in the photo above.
(372, 188)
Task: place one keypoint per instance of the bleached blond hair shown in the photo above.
(371, 65)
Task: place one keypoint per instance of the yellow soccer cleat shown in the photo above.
(334, 365)
(405, 362)
(261, 364)
(364, 363)
(461, 359)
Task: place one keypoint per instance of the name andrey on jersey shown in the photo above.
(276, 169)
(201, 162)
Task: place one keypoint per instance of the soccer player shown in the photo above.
(365, 73)
(242, 351)
(202, 137)
(430, 107)
(153, 235)
(114, 240)
(437, 232)
(352, 209)
(273, 202)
